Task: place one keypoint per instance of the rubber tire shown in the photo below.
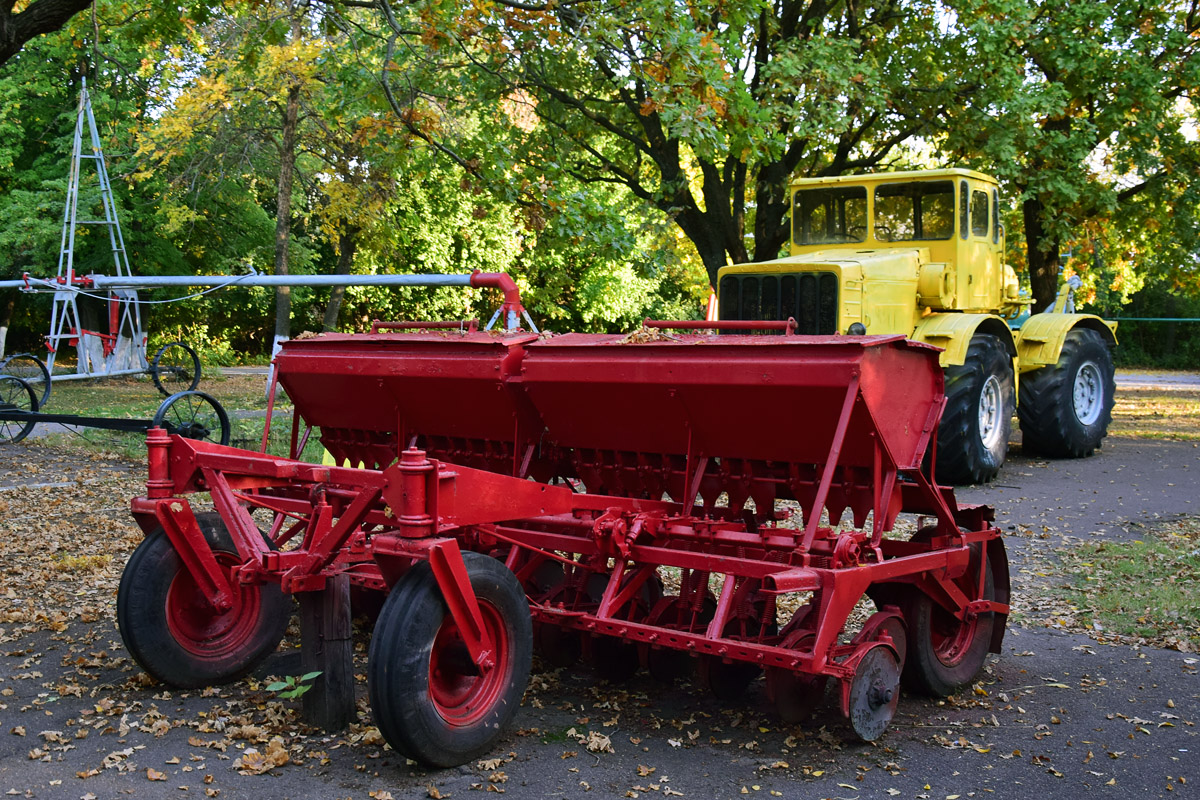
(1049, 424)
(400, 662)
(925, 672)
(143, 614)
(962, 455)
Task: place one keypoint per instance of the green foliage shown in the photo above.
(292, 686)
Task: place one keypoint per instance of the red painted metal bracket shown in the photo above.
(179, 523)
(445, 558)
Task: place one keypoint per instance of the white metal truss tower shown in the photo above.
(123, 348)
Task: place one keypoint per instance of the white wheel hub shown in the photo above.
(1088, 393)
(991, 407)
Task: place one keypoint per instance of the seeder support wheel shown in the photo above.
(171, 630)
(944, 652)
(428, 698)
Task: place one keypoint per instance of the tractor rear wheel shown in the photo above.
(973, 435)
(430, 701)
(174, 634)
(1065, 409)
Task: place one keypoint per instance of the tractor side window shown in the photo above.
(830, 215)
(909, 211)
(979, 213)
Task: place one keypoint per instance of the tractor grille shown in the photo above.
(810, 297)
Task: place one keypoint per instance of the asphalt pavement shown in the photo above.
(1056, 714)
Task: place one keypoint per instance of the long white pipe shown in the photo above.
(106, 282)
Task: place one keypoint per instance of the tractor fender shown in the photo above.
(953, 332)
(1040, 339)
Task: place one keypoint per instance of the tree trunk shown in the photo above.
(283, 211)
(7, 304)
(347, 244)
(1041, 251)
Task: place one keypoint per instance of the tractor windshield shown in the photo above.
(830, 215)
(905, 211)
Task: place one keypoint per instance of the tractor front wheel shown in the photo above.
(430, 701)
(973, 435)
(1065, 409)
(171, 630)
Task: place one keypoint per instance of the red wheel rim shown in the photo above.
(460, 694)
(952, 638)
(202, 630)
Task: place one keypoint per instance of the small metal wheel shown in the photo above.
(668, 664)
(559, 646)
(874, 692)
(174, 634)
(15, 396)
(430, 702)
(730, 681)
(176, 368)
(193, 415)
(618, 659)
(796, 695)
(32, 370)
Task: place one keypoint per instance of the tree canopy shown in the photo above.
(612, 156)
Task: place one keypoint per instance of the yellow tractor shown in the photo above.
(922, 254)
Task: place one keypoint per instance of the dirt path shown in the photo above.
(1057, 713)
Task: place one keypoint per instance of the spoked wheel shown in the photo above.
(429, 700)
(15, 396)
(193, 415)
(944, 652)
(874, 692)
(171, 630)
(796, 695)
(176, 368)
(32, 370)
(677, 613)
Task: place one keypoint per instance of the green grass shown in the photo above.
(1147, 588)
(135, 397)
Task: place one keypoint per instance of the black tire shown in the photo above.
(427, 699)
(16, 395)
(174, 635)
(193, 415)
(1065, 409)
(973, 435)
(32, 370)
(945, 654)
(176, 368)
